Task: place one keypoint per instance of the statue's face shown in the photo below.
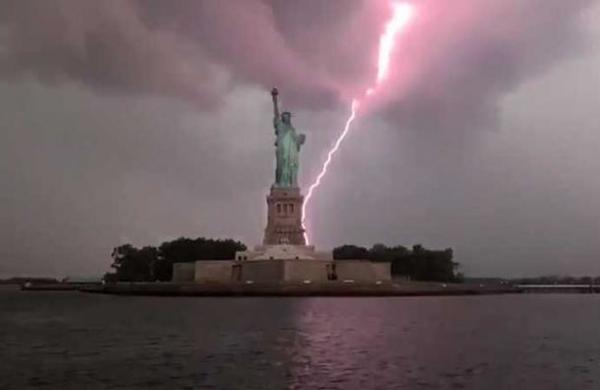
(286, 117)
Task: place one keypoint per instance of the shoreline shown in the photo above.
(330, 289)
(296, 289)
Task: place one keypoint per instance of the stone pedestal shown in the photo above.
(284, 217)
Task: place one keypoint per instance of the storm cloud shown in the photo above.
(144, 120)
(449, 68)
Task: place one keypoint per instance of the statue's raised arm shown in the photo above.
(274, 94)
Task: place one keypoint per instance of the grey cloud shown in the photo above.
(147, 120)
(449, 69)
(103, 45)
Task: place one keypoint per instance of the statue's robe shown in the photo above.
(288, 148)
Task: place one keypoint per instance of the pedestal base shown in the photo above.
(284, 217)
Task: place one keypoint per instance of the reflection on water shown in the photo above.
(79, 341)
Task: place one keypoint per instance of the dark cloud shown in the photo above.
(459, 58)
(104, 45)
(449, 69)
(142, 120)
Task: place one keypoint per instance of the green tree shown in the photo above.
(156, 264)
(417, 263)
(350, 252)
(185, 250)
(133, 264)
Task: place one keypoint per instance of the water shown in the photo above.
(77, 341)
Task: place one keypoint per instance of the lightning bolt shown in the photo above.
(402, 14)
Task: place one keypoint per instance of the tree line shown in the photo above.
(151, 263)
(417, 263)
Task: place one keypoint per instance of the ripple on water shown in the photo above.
(76, 341)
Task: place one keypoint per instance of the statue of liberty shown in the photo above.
(287, 146)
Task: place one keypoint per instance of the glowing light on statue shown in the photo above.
(402, 14)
